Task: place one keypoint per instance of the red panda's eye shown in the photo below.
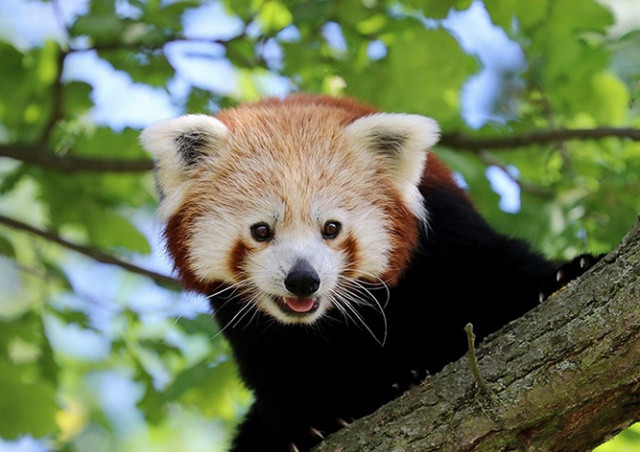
(261, 232)
(331, 229)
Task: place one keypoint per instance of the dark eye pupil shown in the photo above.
(261, 232)
(331, 229)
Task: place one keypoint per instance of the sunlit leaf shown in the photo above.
(6, 248)
(429, 85)
(273, 15)
(27, 402)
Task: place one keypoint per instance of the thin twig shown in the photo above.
(473, 360)
(93, 253)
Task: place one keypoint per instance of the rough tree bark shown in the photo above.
(565, 377)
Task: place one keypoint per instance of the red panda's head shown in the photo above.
(291, 202)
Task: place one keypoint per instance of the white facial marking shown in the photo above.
(269, 269)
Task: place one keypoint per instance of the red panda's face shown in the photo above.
(291, 209)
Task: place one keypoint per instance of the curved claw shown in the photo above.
(342, 423)
(315, 432)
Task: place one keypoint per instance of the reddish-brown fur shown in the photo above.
(237, 257)
(350, 248)
(405, 237)
(177, 233)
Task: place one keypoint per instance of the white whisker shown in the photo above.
(243, 309)
(366, 284)
(253, 303)
(232, 287)
(352, 292)
(348, 296)
(343, 310)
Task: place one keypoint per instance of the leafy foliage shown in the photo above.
(95, 356)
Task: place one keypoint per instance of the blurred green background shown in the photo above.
(99, 349)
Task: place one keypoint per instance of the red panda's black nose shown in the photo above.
(302, 279)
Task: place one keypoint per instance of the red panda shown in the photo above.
(340, 257)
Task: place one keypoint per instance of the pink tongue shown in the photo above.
(300, 304)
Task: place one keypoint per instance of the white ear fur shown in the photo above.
(178, 145)
(401, 141)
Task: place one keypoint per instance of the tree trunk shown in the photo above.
(565, 377)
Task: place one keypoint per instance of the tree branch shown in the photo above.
(566, 376)
(467, 143)
(68, 163)
(93, 253)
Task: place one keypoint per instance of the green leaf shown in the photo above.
(6, 248)
(27, 405)
(108, 229)
(313, 14)
(273, 16)
(25, 97)
(626, 64)
(609, 99)
(103, 142)
(427, 85)
(47, 66)
(55, 272)
(29, 329)
(77, 100)
(213, 388)
(241, 8)
(164, 20)
(70, 316)
(527, 14)
(202, 323)
(12, 179)
(151, 68)
(436, 9)
(102, 23)
(92, 209)
(28, 375)
(563, 41)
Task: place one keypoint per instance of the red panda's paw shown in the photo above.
(568, 272)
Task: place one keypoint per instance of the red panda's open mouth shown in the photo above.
(298, 306)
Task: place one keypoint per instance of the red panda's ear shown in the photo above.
(400, 142)
(179, 145)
